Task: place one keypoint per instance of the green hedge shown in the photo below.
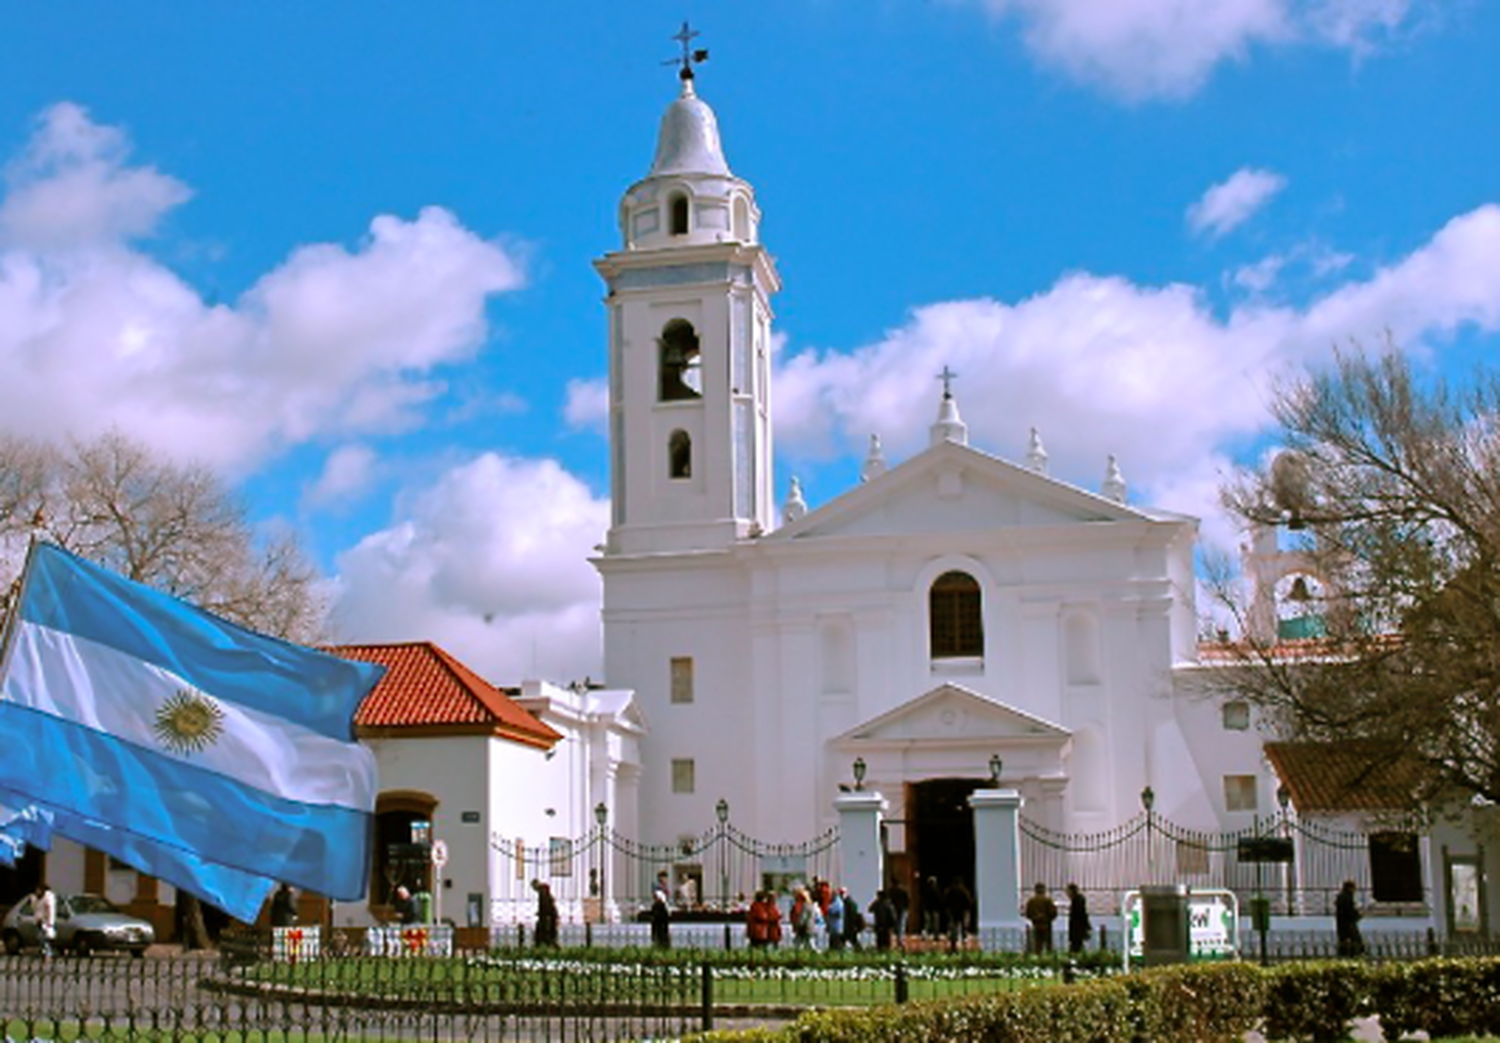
(1305, 1002)
(1442, 997)
(1207, 1003)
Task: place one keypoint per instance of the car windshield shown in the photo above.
(90, 904)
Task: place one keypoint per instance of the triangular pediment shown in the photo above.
(619, 706)
(956, 488)
(952, 713)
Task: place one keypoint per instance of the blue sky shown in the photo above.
(341, 251)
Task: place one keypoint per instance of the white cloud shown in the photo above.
(95, 334)
(1357, 25)
(347, 472)
(1261, 275)
(1102, 365)
(1233, 201)
(587, 407)
(1142, 49)
(71, 187)
(491, 562)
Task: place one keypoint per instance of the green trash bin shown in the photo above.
(1164, 924)
(423, 902)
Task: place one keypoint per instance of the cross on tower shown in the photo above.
(947, 376)
(690, 55)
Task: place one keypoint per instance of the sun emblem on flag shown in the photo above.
(188, 722)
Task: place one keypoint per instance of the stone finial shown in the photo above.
(1114, 481)
(874, 465)
(795, 506)
(949, 426)
(1036, 454)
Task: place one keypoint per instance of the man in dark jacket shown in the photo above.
(1079, 927)
(883, 913)
(1041, 910)
(958, 903)
(1346, 917)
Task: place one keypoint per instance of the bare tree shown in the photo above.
(1389, 492)
(173, 527)
(170, 526)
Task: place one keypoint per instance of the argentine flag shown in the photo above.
(210, 756)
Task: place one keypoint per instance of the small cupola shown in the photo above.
(690, 196)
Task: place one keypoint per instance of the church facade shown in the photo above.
(950, 615)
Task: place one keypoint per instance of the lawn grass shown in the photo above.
(582, 978)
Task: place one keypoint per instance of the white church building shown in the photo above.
(955, 622)
(951, 609)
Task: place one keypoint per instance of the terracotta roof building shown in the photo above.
(428, 692)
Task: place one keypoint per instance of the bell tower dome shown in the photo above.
(688, 294)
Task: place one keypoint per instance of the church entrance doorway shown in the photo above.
(939, 845)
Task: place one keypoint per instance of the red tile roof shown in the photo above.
(426, 690)
(1345, 776)
(1289, 650)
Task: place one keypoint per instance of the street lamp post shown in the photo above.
(721, 809)
(601, 815)
(859, 773)
(1148, 801)
(1284, 798)
(995, 765)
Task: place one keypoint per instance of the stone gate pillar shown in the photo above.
(859, 844)
(997, 857)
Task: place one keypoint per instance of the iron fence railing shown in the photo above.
(354, 998)
(1151, 849)
(605, 875)
(254, 988)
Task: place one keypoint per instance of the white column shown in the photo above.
(997, 857)
(859, 843)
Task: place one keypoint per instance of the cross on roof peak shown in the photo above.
(947, 376)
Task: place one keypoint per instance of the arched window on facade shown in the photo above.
(679, 454)
(680, 376)
(678, 204)
(955, 617)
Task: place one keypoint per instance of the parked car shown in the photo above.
(86, 924)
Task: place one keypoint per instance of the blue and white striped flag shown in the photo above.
(210, 756)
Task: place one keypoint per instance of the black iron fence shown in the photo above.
(1297, 866)
(257, 987)
(355, 998)
(605, 876)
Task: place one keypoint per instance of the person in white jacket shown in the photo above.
(45, 910)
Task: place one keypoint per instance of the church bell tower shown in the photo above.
(688, 294)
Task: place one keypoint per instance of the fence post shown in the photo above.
(708, 998)
(588, 935)
(901, 987)
(520, 936)
(1103, 940)
(1432, 944)
(728, 938)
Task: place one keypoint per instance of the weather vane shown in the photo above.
(690, 55)
(947, 376)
